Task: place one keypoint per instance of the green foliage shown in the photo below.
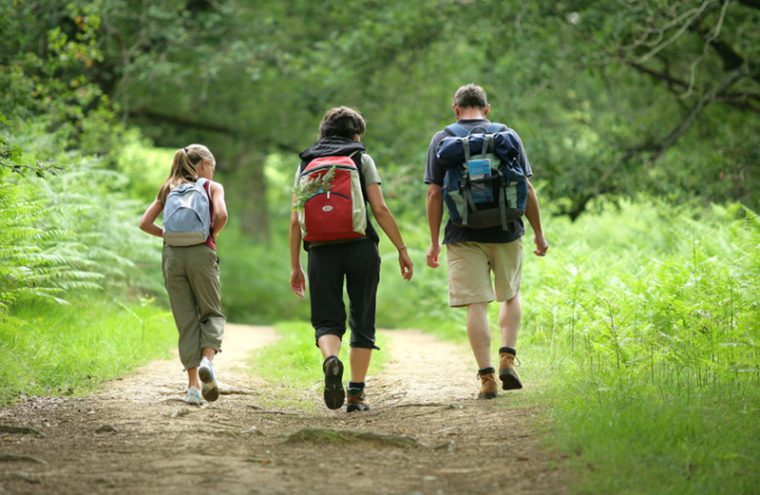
(636, 438)
(255, 286)
(649, 315)
(145, 166)
(294, 364)
(70, 233)
(641, 325)
(48, 349)
(659, 97)
(315, 184)
(649, 293)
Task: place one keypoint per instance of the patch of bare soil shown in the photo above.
(425, 434)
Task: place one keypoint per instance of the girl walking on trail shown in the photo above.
(337, 164)
(194, 214)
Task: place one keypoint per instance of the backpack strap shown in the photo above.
(356, 156)
(202, 181)
(495, 127)
(457, 129)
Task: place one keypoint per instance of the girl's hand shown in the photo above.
(297, 282)
(405, 263)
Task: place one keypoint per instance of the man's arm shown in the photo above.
(434, 207)
(533, 214)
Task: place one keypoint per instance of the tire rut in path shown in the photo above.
(162, 446)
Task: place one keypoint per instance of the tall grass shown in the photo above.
(649, 319)
(652, 321)
(51, 349)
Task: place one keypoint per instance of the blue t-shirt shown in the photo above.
(434, 173)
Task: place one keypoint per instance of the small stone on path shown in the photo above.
(107, 429)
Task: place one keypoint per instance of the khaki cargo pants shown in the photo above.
(191, 277)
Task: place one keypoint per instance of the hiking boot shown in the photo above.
(507, 373)
(488, 388)
(206, 373)
(356, 400)
(334, 393)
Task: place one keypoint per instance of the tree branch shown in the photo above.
(181, 122)
(655, 149)
(755, 4)
(730, 57)
(662, 76)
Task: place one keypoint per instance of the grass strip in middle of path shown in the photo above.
(292, 366)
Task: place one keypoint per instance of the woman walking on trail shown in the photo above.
(335, 180)
(194, 214)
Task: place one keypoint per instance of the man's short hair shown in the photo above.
(342, 122)
(470, 96)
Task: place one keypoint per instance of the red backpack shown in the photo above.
(330, 193)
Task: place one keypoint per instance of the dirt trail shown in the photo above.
(424, 435)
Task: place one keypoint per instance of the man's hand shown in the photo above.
(432, 255)
(297, 282)
(405, 262)
(541, 245)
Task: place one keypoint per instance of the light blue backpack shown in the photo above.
(187, 215)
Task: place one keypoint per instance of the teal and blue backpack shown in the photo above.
(484, 185)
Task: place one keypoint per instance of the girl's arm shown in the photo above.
(147, 223)
(297, 277)
(386, 221)
(220, 209)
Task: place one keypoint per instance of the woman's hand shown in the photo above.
(298, 282)
(405, 263)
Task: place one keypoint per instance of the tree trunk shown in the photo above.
(249, 193)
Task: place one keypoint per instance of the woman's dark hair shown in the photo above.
(342, 122)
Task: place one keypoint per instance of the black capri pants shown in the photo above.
(357, 262)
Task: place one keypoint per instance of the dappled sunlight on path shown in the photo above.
(424, 434)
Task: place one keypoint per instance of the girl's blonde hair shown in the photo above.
(184, 168)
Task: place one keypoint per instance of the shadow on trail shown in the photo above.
(424, 434)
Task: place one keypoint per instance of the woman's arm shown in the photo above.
(297, 277)
(220, 209)
(386, 221)
(147, 223)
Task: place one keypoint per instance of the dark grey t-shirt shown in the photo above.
(434, 173)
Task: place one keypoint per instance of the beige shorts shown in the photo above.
(470, 268)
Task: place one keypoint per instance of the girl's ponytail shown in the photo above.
(183, 168)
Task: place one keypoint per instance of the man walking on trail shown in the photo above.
(474, 254)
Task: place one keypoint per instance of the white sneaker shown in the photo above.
(193, 396)
(207, 375)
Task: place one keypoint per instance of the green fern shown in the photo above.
(311, 187)
(70, 234)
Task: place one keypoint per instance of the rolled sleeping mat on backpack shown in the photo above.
(450, 151)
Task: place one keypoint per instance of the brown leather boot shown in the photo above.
(488, 388)
(356, 400)
(507, 373)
